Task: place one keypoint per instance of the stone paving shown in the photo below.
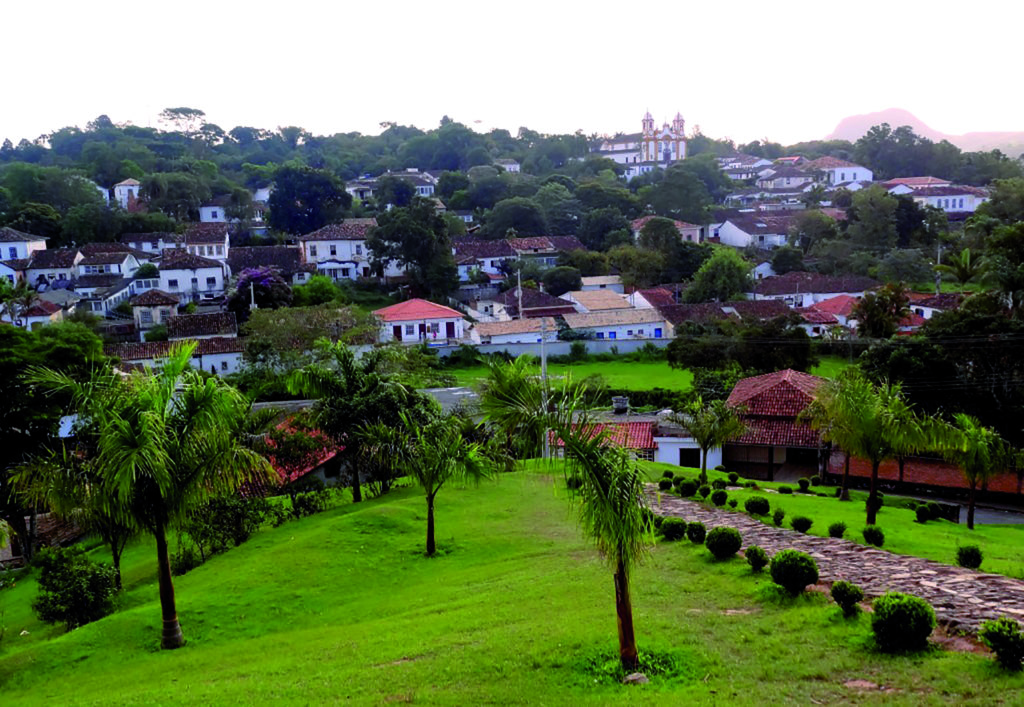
(962, 598)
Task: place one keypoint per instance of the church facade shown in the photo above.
(652, 147)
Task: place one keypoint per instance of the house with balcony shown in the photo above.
(191, 277)
(209, 240)
(338, 250)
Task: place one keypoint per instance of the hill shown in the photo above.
(853, 127)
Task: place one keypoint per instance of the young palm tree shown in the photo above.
(511, 400)
(978, 450)
(830, 415)
(963, 267)
(611, 507)
(165, 443)
(710, 426)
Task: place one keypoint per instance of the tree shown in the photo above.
(879, 313)
(637, 268)
(977, 450)
(524, 216)
(724, 276)
(602, 228)
(415, 237)
(262, 285)
(905, 265)
(963, 268)
(306, 199)
(1006, 201)
(166, 442)
(37, 219)
(319, 289)
(183, 119)
(710, 425)
(787, 259)
(450, 182)
(588, 262)
(680, 195)
(559, 280)
(871, 219)
(511, 400)
(394, 191)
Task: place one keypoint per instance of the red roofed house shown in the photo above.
(840, 307)
(38, 314)
(418, 320)
(635, 437)
(687, 231)
(769, 405)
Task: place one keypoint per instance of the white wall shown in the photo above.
(184, 286)
(668, 451)
(20, 249)
(386, 332)
(620, 332)
(961, 202)
(838, 175)
(212, 214)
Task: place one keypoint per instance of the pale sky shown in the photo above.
(785, 70)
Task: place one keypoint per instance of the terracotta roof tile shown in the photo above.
(153, 298)
(287, 259)
(779, 394)
(841, 305)
(614, 317)
(630, 435)
(186, 326)
(805, 282)
(416, 309)
(177, 259)
(149, 350)
(207, 233)
(515, 326)
(10, 235)
(349, 229)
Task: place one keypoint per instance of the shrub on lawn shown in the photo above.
(969, 556)
(73, 590)
(720, 467)
(695, 532)
(704, 491)
(187, 557)
(1004, 638)
(687, 488)
(312, 502)
(573, 482)
(804, 484)
(733, 478)
(757, 506)
(777, 516)
(785, 489)
(750, 485)
(922, 514)
(719, 497)
(934, 510)
(837, 529)
(878, 502)
(757, 558)
(733, 503)
(665, 484)
(668, 475)
(801, 524)
(902, 622)
(719, 484)
(723, 542)
(815, 481)
(673, 529)
(873, 535)
(794, 570)
(847, 595)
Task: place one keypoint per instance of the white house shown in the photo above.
(516, 331)
(913, 183)
(508, 165)
(191, 277)
(152, 243)
(108, 263)
(39, 313)
(209, 240)
(483, 255)
(785, 177)
(15, 245)
(620, 324)
(418, 320)
(836, 171)
(753, 228)
(762, 270)
(803, 289)
(46, 266)
(596, 300)
(951, 199)
(676, 446)
(219, 356)
(126, 192)
(14, 270)
(151, 308)
(339, 250)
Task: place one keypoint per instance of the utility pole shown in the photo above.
(519, 291)
(544, 382)
(252, 296)
(938, 261)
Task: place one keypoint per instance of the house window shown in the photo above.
(629, 332)
(146, 316)
(657, 333)
(410, 329)
(223, 365)
(611, 335)
(435, 327)
(961, 203)
(312, 251)
(220, 250)
(344, 272)
(359, 249)
(195, 283)
(211, 282)
(172, 284)
(213, 214)
(13, 252)
(334, 250)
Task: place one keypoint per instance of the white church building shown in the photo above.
(644, 151)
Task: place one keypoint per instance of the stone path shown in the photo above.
(962, 598)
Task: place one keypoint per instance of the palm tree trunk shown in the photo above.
(172, 636)
(624, 614)
(844, 490)
(431, 548)
(357, 492)
(970, 506)
(872, 496)
(703, 465)
(115, 553)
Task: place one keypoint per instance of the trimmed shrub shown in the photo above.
(733, 478)
(847, 595)
(873, 535)
(757, 558)
(668, 475)
(1004, 638)
(969, 556)
(719, 497)
(757, 506)
(186, 559)
(687, 489)
(837, 529)
(573, 482)
(673, 529)
(785, 489)
(794, 570)
(777, 516)
(704, 491)
(719, 484)
(311, 502)
(801, 524)
(733, 503)
(804, 484)
(902, 622)
(695, 532)
(934, 510)
(750, 485)
(922, 514)
(878, 502)
(665, 484)
(815, 481)
(73, 590)
(723, 542)
(720, 467)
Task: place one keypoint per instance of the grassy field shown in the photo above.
(634, 375)
(517, 609)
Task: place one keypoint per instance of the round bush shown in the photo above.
(804, 484)
(665, 484)
(902, 622)
(794, 570)
(73, 589)
(673, 529)
(704, 491)
(785, 489)
(922, 515)
(777, 516)
(757, 558)
(573, 482)
(695, 532)
(847, 595)
(1004, 638)
(750, 485)
(877, 503)
(687, 488)
(969, 556)
(873, 535)
(801, 524)
(723, 542)
(668, 475)
(757, 506)
(733, 478)
(720, 467)
(732, 503)
(719, 484)
(934, 510)
(719, 497)
(815, 481)
(837, 529)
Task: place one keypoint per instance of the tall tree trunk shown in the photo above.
(844, 490)
(115, 553)
(431, 548)
(872, 496)
(172, 636)
(624, 614)
(357, 492)
(970, 506)
(703, 465)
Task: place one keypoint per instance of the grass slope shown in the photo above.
(343, 606)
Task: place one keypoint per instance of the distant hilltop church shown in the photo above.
(652, 147)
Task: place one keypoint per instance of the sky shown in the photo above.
(785, 70)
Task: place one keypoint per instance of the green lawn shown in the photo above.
(344, 607)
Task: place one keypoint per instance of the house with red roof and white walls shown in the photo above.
(339, 250)
(420, 321)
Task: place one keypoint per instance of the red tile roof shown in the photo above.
(153, 298)
(638, 224)
(41, 308)
(840, 304)
(946, 300)
(805, 282)
(917, 182)
(149, 350)
(349, 229)
(813, 316)
(416, 310)
(177, 259)
(779, 394)
(777, 433)
(828, 162)
(630, 435)
(10, 235)
(186, 326)
(214, 233)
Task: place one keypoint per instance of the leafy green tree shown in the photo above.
(787, 259)
(521, 215)
(904, 265)
(394, 191)
(511, 401)
(724, 276)
(710, 425)
(176, 194)
(597, 196)
(264, 286)
(680, 195)
(588, 262)
(637, 267)
(37, 219)
(557, 281)
(879, 313)
(166, 442)
(600, 227)
(962, 267)
(416, 237)
(450, 182)
(319, 289)
(978, 450)
(306, 199)
(1006, 201)
(871, 219)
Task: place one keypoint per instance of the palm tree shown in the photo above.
(612, 512)
(711, 426)
(165, 443)
(511, 399)
(16, 299)
(829, 414)
(978, 450)
(963, 267)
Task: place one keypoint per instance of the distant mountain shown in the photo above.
(853, 127)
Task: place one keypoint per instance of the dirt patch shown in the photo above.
(861, 685)
(407, 698)
(949, 640)
(739, 612)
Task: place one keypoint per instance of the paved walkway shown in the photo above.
(962, 598)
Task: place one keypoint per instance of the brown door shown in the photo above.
(398, 332)
(449, 330)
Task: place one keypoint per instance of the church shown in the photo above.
(652, 147)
